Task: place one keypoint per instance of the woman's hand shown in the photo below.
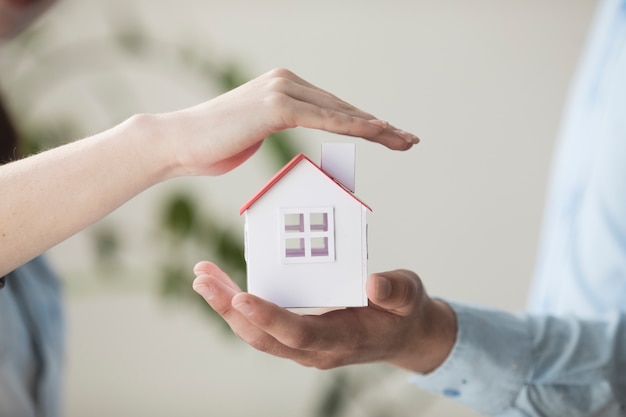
(218, 135)
(401, 326)
(83, 181)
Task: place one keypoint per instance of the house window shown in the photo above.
(307, 235)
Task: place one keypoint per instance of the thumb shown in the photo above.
(398, 291)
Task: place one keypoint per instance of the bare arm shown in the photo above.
(48, 197)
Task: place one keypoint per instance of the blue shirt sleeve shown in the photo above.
(504, 364)
(567, 356)
(31, 342)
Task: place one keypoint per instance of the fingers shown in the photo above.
(216, 293)
(300, 332)
(388, 330)
(269, 328)
(398, 291)
(312, 107)
(205, 270)
(213, 285)
(337, 338)
(308, 115)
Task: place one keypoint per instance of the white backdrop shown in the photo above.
(482, 82)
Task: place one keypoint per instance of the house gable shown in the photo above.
(298, 159)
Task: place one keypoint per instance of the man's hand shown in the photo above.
(401, 326)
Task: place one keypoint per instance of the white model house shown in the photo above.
(306, 234)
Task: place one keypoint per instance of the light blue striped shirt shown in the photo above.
(567, 355)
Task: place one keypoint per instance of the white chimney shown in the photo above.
(338, 161)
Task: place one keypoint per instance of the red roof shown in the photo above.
(284, 170)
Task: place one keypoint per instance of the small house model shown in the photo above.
(306, 234)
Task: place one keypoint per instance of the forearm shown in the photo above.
(50, 196)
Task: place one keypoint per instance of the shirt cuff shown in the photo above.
(489, 363)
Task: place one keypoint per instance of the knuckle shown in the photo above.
(278, 105)
(330, 116)
(264, 320)
(276, 99)
(328, 113)
(278, 84)
(280, 72)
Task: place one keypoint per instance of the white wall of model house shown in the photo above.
(306, 240)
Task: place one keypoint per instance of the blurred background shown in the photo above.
(482, 82)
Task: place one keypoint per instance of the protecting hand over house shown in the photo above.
(402, 325)
(220, 134)
(81, 182)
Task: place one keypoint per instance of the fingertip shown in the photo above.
(202, 267)
(201, 279)
(202, 286)
(211, 269)
(378, 288)
(198, 280)
(392, 141)
(406, 136)
(383, 288)
(392, 137)
(398, 290)
(240, 298)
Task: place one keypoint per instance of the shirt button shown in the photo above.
(3, 282)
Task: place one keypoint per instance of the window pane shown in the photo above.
(294, 247)
(319, 222)
(319, 246)
(294, 222)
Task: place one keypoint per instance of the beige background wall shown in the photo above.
(482, 82)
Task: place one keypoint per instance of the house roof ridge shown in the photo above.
(283, 171)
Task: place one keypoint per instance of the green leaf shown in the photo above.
(333, 400)
(279, 148)
(179, 215)
(231, 77)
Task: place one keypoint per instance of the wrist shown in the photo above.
(150, 146)
(441, 330)
(433, 338)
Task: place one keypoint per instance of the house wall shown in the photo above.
(321, 284)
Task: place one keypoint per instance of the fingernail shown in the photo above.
(409, 137)
(204, 290)
(244, 308)
(383, 288)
